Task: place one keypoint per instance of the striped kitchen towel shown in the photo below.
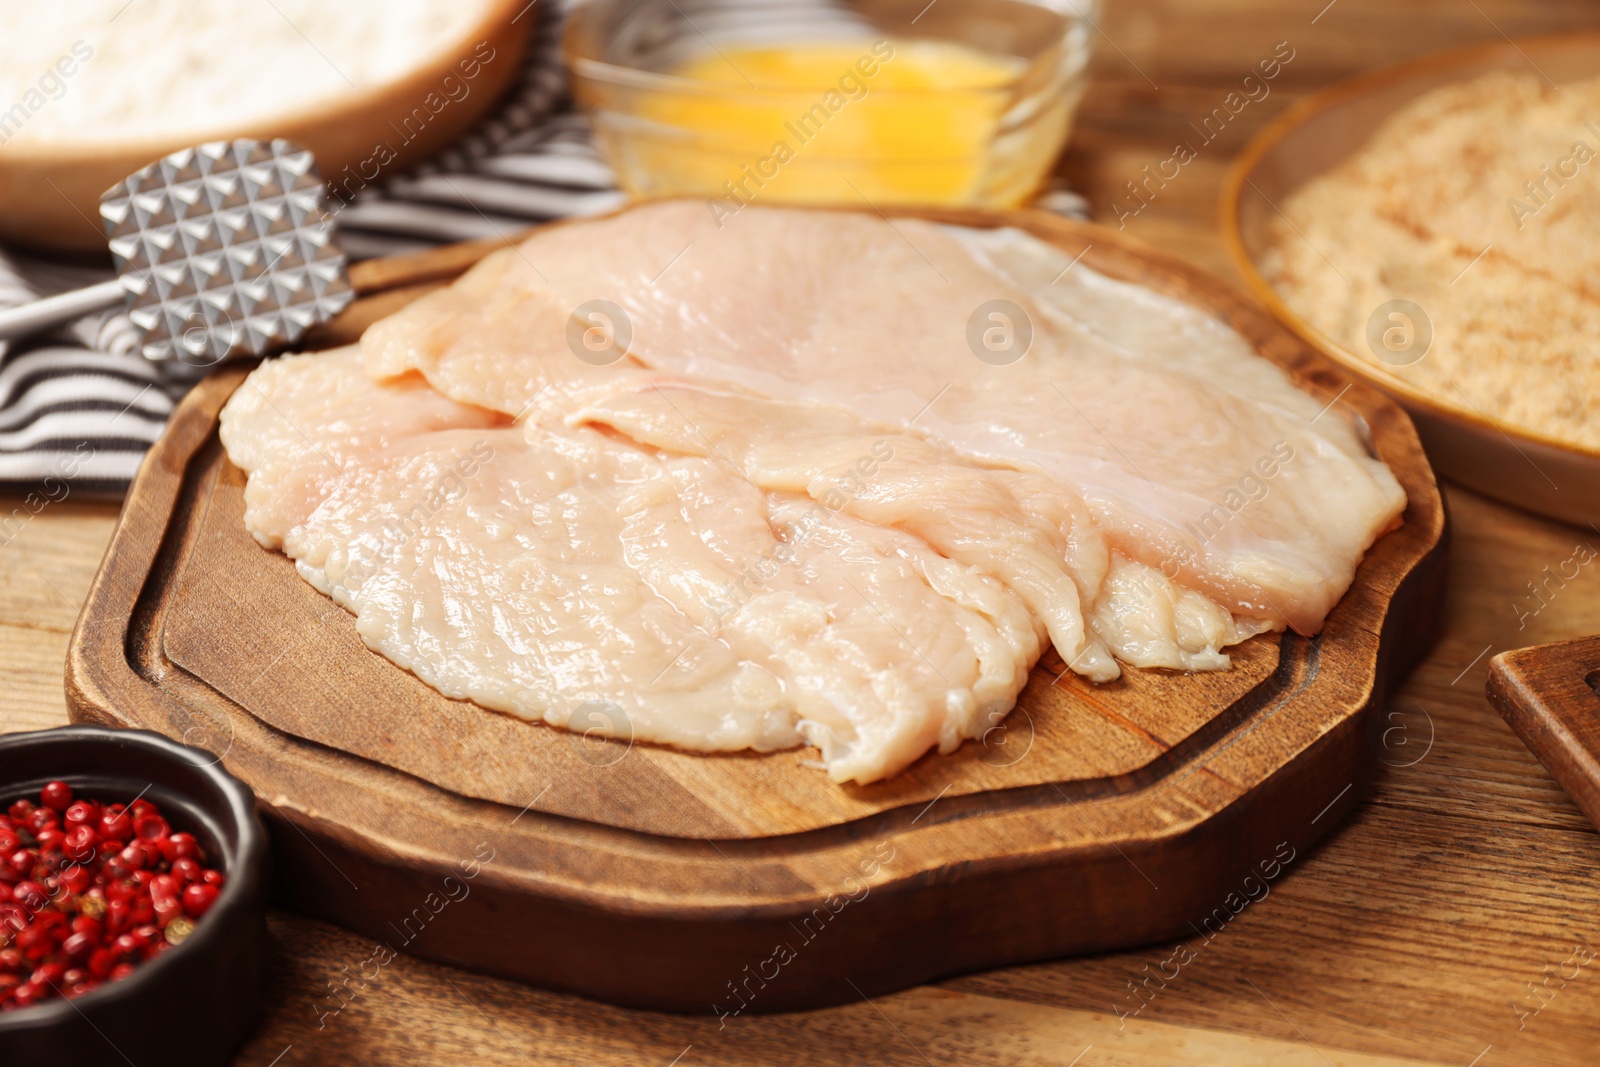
(79, 408)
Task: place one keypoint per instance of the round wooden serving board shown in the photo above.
(1097, 817)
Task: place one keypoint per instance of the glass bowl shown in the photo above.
(678, 117)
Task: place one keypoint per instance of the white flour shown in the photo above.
(103, 70)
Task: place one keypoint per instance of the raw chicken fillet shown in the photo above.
(799, 508)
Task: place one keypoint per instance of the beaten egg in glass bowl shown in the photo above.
(957, 102)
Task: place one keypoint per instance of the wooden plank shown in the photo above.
(53, 553)
(1400, 916)
(470, 1017)
(1550, 695)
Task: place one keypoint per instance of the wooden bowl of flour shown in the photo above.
(1514, 463)
(50, 188)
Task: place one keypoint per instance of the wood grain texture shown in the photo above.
(1550, 694)
(480, 1020)
(1411, 934)
(653, 877)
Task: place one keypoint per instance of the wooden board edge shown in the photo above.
(97, 656)
(1547, 694)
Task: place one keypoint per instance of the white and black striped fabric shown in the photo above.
(73, 410)
(79, 408)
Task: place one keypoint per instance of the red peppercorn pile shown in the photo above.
(88, 891)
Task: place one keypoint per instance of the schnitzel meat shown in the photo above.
(799, 499)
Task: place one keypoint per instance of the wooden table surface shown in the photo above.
(1454, 919)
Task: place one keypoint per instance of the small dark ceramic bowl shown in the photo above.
(195, 1003)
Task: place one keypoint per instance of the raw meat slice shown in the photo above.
(796, 495)
(894, 480)
(496, 338)
(296, 422)
(1148, 620)
(1195, 456)
(1023, 529)
(549, 572)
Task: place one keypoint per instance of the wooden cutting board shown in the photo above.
(1550, 695)
(1096, 817)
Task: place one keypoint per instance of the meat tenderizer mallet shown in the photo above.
(224, 249)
